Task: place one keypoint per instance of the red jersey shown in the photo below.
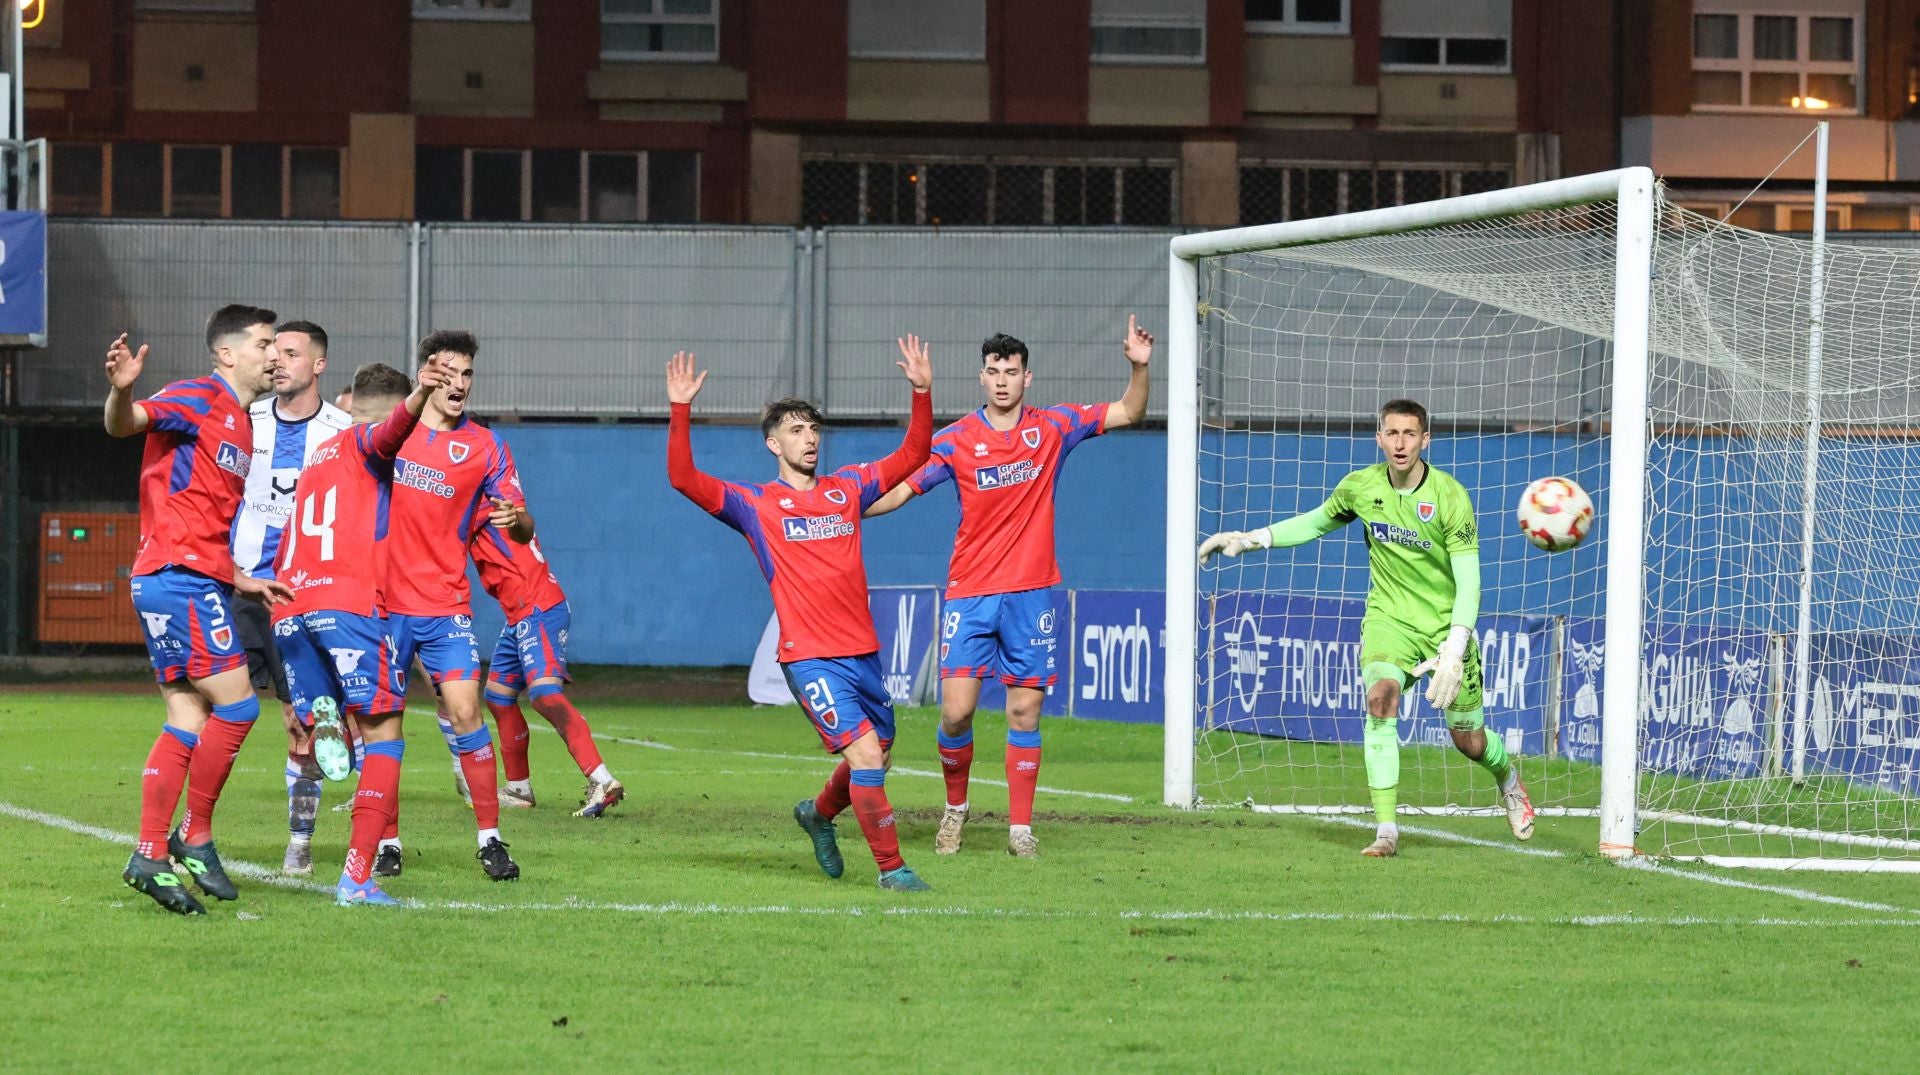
(193, 477)
(516, 575)
(1006, 482)
(333, 553)
(441, 485)
(807, 541)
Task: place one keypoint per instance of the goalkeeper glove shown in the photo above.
(1447, 667)
(1235, 542)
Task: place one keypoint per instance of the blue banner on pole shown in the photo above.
(1703, 699)
(1863, 719)
(1119, 655)
(906, 618)
(1289, 666)
(23, 273)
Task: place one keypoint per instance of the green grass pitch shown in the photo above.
(690, 930)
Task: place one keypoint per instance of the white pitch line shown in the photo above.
(267, 875)
(1443, 834)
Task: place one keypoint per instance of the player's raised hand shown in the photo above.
(1138, 345)
(916, 363)
(435, 373)
(683, 383)
(124, 364)
(1231, 543)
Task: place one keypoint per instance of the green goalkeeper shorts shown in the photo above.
(1384, 641)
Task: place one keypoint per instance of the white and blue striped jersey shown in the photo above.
(280, 450)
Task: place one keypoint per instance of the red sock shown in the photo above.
(375, 807)
(513, 737)
(483, 781)
(160, 783)
(870, 805)
(1023, 772)
(573, 728)
(834, 797)
(956, 764)
(392, 831)
(212, 762)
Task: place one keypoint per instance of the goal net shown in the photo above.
(1728, 668)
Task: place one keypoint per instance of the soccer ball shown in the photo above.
(1555, 514)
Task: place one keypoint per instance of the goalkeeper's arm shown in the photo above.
(1284, 534)
(1449, 665)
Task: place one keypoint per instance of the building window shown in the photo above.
(78, 180)
(957, 192)
(1272, 191)
(1469, 38)
(1798, 216)
(1749, 62)
(562, 186)
(488, 10)
(917, 29)
(659, 29)
(1297, 16)
(1146, 31)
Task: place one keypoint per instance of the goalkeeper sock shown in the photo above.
(956, 764)
(835, 796)
(1382, 753)
(512, 723)
(1023, 773)
(1494, 760)
(870, 805)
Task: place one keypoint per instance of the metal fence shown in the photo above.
(578, 320)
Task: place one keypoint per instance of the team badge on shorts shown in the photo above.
(836, 496)
(1426, 510)
(465, 623)
(457, 452)
(221, 637)
(1031, 437)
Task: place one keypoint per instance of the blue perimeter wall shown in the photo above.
(654, 580)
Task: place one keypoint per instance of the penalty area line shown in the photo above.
(252, 871)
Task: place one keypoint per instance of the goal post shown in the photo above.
(1648, 679)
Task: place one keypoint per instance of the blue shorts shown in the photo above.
(532, 648)
(844, 697)
(444, 644)
(1011, 634)
(344, 656)
(187, 619)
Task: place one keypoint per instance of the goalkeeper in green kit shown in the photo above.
(1423, 550)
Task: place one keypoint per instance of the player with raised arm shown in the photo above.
(804, 531)
(1004, 461)
(334, 634)
(1423, 550)
(531, 657)
(193, 474)
(288, 426)
(453, 477)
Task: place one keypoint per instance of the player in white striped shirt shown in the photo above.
(287, 426)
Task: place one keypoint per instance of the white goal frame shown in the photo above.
(1632, 192)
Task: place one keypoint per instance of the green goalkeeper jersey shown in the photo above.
(1411, 537)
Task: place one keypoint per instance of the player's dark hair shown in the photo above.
(1005, 346)
(377, 380)
(781, 409)
(235, 318)
(313, 332)
(459, 341)
(1406, 407)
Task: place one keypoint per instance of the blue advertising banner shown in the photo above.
(906, 619)
(993, 694)
(1289, 666)
(1864, 717)
(23, 273)
(1703, 699)
(1119, 655)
